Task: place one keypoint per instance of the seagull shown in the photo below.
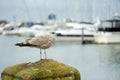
(43, 41)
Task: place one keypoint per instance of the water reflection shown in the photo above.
(110, 54)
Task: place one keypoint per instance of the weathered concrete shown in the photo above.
(45, 69)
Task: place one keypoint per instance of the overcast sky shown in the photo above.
(38, 10)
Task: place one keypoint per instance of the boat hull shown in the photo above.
(107, 37)
(74, 38)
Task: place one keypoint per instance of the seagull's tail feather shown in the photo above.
(22, 44)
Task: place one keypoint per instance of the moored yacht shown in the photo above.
(75, 34)
(110, 33)
(76, 31)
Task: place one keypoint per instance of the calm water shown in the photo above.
(95, 62)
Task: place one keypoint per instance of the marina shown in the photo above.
(81, 22)
(95, 33)
(66, 31)
(87, 35)
(109, 33)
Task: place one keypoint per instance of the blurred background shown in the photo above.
(38, 10)
(77, 24)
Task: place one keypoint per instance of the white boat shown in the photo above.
(39, 29)
(77, 31)
(1, 30)
(75, 34)
(7, 28)
(29, 31)
(2, 24)
(107, 37)
(23, 31)
(11, 28)
(109, 34)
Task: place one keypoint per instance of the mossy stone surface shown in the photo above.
(45, 69)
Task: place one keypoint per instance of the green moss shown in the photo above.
(12, 70)
(16, 79)
(46, 69)
(6, 77)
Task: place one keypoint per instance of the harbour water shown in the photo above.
(95, 62)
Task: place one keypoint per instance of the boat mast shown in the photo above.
(117, 3)
(90, 9)
(109, 6)
(76, 12)
(14, 19)
(94, 9)
(27, 10)
(84, 9)
(38, 10)
(46, 7)
(66, 9)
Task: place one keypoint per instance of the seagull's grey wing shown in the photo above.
(25, 43)
(39, 40)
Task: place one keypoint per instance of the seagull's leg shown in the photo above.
(45, 54)
(40, 54)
